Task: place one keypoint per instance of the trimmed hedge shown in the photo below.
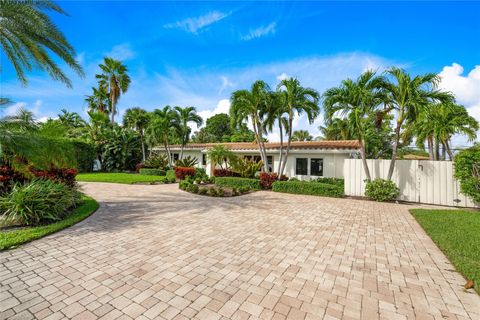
(335, 181)
(309, 188)
(151, 172)
(170, 175)
(233, 182)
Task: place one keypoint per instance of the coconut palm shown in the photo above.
(301, 135)
(250, 105)
(354, 101)
(115, 80)
(161, 128)
(276, 114)
(407, 96)
(297, 100)
(186, 115)
(27, 34)
(137, 119)
(99, 100)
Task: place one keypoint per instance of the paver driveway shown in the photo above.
(154, 252)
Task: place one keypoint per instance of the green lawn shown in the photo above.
(127, 178)
(13, 238)
(457, 234)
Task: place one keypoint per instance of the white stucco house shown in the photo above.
(306, 160)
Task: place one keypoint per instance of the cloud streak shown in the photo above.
(195, 24)
(262, 31)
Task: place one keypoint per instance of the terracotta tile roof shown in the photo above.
(323, 144)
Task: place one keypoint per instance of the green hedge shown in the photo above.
(233, 182)
(307, 187)
(170, 174)
(335, 181)
(152, 172)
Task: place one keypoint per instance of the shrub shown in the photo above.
(170, 175)
(381, 190)
(65, 176)
(152, 172)
(221, 192)
(37, 202)
(309, 188)
(187, 162)
(243, 190)
(157, 161)
(139, 166)
(225, 173)
(335, 181)
(201, 174)
(85, 154)
(266, 179)
(182, 172)
(231, 182)
(212, 192)
(193, 188)
(235, 192)
(202, 191)
(8, 177)
(467, 171)
(247, 168)
(185, 184)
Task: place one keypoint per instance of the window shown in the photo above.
(204, 159)
(316, 167)
(301, 166)
(270, 163)
(175, 156)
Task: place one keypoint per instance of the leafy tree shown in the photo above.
(250, 105)
(222, 156)
(242, 134)
(337, 129)
(407, 96)
(121, 150)
(297, 100)
(115, 80)
(27, 35)
(301, 135)
(137, 119)
(186, 115)
(354, 101)
(71, 119)
(99, 100)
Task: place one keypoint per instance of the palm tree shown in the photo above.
(336, 129)
(115, 80)
(27, 35)
(408, 96)
(437, 123)
(162, 125)
(354, 101)
(250, 104)
(137, 119)
(275, 114)
(301, 135)
(186, 115)
(71, 119)
(99, 100)
(297, 101)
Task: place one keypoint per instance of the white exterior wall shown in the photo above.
(422, 181)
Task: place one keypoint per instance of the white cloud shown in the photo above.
(121, 52)
(225, 84)
(282, 76)
(261, 32)
(195, 24)
(35, 108)
(223, 106)
(466, 89)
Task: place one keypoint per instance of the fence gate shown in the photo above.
(421, 181)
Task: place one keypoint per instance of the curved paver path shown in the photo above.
(155, 252)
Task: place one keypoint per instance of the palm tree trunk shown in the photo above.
(449, 150)
(258, 138)
(167, 151)
(262, 147)
(143, 146)
(280, 158)
(437, 150)
(181, 147)
(364, 160)
(290, 123)
(430, 148)
(394, 149)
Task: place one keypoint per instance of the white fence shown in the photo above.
(422, 181)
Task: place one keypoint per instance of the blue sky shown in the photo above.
(197, 53)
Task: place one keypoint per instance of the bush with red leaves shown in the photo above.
(65, 176)
(139, 166)
(182, 172)
(267, 179)
(225, 173)
(8, 177)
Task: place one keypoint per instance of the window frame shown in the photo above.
(297, 167)
(311, 167)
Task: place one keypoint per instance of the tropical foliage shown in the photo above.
(467, 171)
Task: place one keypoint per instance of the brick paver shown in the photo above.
(155, 252)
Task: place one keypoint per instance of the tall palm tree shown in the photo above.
(186, 115)
(275, 114)
(115, 80)
(137, 119)
(162, 125)
(301, 135)
(250, 105)
(27, 34)
(99, 100)
(354, 101)
(297, 100)
(408, 96)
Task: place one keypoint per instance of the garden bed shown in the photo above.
(213, 190)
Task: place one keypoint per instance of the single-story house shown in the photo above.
(306, 159)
